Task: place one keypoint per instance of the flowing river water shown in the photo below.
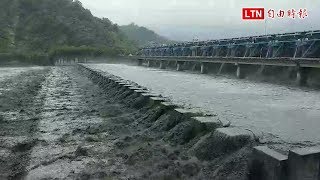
(276, 113)
(60, 123)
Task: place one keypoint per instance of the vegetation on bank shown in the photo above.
(25, 59)
(85, 51)
(31, 29)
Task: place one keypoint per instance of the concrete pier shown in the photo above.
(304, 164)
(302, 75)
(221, 68)
(162, 65)
(300, 164)
(240, 73)
(149, 63)
(179, 66)
(271, 164)
(66, 62)
(203, 68)
(244, 97)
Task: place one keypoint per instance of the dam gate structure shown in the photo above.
(299, 50)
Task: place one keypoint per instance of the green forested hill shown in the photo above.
(7, 14)
(44, 25)
(143, 36)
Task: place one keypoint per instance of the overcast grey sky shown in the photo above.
(187, 19)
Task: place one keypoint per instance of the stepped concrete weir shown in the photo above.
(208, 136)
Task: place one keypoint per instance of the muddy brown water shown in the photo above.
(57, 123)
(284, 116)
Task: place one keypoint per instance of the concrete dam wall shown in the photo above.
(288, 75)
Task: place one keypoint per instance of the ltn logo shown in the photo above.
(253, 13)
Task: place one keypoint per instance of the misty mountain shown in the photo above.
(143, 36)
(190, 32)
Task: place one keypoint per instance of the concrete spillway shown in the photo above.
(277, 114)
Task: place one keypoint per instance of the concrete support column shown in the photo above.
(194, 66)
(162, 65)
(239, 73)
(221, 68)
(267, 164)
(179, 66)
(304, 164)
(203, 68)
(149, 63)
(302, 76)
(261, 69)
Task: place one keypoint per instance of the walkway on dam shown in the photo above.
(277, 114)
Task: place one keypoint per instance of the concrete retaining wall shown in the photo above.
(300, 164)
(171, 115)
